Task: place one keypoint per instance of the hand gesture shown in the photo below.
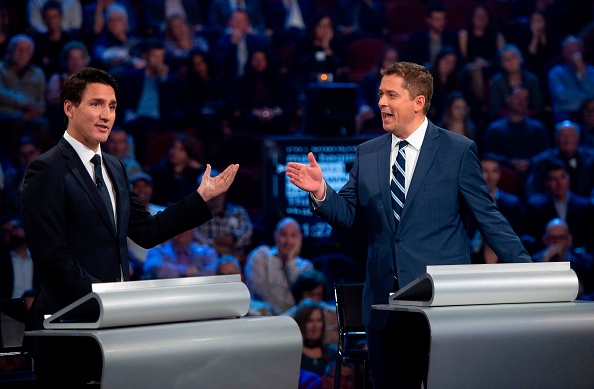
(211, 187)
(307, 177)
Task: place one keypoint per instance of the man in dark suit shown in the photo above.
(76, 221)
(443, 186)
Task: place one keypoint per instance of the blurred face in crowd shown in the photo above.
(572, 48)
(76, 60)
(510, 61)
(155, 58)
(324, 27)
(177, 154)
(240, 21)
(316, 294)
(558, 234)
(491, 173)
(53, 19)
(199, 65)
(144, 190)
(259, 61)
(117, 23)
(117, 144)
(13, 234)
(436, 21)
(588, 114)
(347, 378)
(568, 140)
(91, 121)
(558, 183)
(390, 56)
(518, 100)
(179, 28)
(184, 239)
(22, 54)
(447, 64)
(459, 109)
(27, 153)
(480, 18)
(314, 327)
(288, 240)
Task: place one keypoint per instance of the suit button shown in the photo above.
(396, 240)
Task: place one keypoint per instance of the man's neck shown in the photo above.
(21, 251)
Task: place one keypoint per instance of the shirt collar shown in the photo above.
(416, 138)
(83, 151)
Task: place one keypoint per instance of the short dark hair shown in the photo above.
(306, 282)
(75, 85)
(418, 81)
(51, 4)
(554, 164)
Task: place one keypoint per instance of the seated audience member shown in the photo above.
(320, 50)
(180, 257)
(27, 150)
(264, 103)
(317, 353)
(229, 231)
(586, 122)
(270, 271)
(572, 81)
(203, 94)
(118, 144)
(116, 46)
(145, 99)
(175, 176)
(22, 93)
(180, 40)
(94, 17)
(368, 113)
(424, 45)
(456, 116)
(49, 44)
(142, 184)
(227, 265)
(516, 138)
(578, 160)
(559, 202)
(73, 57)
(311, 285)
(509, 205)
(156, 12)
(71, 15)
(17, 274)
(558, 243)
(446, 81)
(234, 47)
(511, 75)
(220, 11)
(361, 19)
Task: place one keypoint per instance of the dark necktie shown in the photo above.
(102, 186)
(397, 182)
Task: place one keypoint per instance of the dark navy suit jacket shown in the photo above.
(447, 187)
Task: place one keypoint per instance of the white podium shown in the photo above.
(502, 326)
(179, 333)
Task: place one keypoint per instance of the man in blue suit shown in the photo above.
(444, 186)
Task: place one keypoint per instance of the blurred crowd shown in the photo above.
(197, 76)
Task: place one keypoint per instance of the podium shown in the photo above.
(178, 333)
(502, 326)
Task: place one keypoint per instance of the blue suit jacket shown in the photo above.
(447, 187)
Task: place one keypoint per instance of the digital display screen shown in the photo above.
(335, 157)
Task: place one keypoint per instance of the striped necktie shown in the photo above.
(397, 182)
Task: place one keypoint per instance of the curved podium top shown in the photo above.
(502, 283)
(120, 304)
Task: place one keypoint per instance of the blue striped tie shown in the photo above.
(397, 182)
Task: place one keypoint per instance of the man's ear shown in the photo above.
(68, 108)
(419, 103)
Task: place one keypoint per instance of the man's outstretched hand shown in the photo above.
(307, 177)
(211, 187)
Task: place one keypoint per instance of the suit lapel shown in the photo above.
(383, 174)
(424, 161)
(82, 175)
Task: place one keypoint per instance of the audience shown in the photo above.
(27, 150)
(558, 243)
(157, 12)
(16, 266)
(578, 160)
(270, 271)
(230, 229)
(118, 144)
(180, 257)
(446, 81)
(456, 116)
(180, 40)
(71, 15)
(572, 81)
